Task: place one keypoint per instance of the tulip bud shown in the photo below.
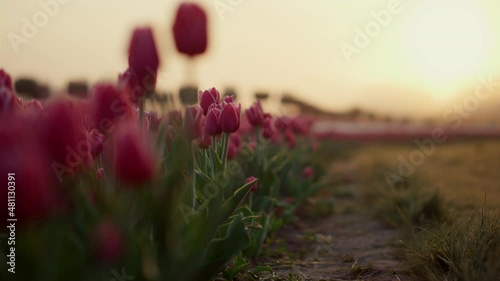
(190, 29)
(205, 141)
(128, 82)
(254, 186)
(212, 123)
(230, 117)
(100, 174)
(108, 106)
(267, 130)
(193, 121)
(308, 172)
(133, 162)
(61, 134)
(255, 114)
(108, 241)
(228, 99)
(175, 118)
(96, 141)
(207, 98)
(33, 106)
(281, 123)
(143, 58)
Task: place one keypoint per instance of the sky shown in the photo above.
(406, 58)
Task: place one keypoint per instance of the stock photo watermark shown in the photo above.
(47, 10)
(373, 28)
(453, 118)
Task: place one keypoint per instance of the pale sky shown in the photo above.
(413, 64)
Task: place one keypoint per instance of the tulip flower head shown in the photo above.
(190, 29)
(255, 114)
(5, 80)
(308, 172)
(254, 186)
(133, 162)
(207, 98)
(212, 125)
(230, 117)
(108, 106)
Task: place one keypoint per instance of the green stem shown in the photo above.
(225, 148)
(193, 182)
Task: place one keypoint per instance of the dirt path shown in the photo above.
(342, 247)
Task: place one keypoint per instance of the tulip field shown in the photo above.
(106, 186)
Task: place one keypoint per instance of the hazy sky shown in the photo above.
(414, 62)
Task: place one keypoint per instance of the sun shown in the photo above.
(448, 40)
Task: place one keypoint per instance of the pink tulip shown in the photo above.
(230, 117)
(308, 172)
(255, 114)
(108, 106)
(143, 58)
(61, 134)
(133, 162)
(193, 121)
(299, 126)
(22, 154)
(281, 123)
(205, 141)
(8, 101)
(232, 151)
(228, 99)
(212, 123)
(108, 241)
(254, 186)
(96, 140)
(190, 29)
(207, 98)
(128, 82)
(290, 139)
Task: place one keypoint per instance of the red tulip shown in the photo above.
(108, 106)
(299, 126)
(190, 29)
(255, 114)
(267, 130)
(308, 173)
(143, 58)
(212, 125)
(175, 118)
(254, 186)
(290, 139)
(96, 140)
(128, 82)
(108, 241)
(207, 98)
(33, 106)
(232, 151)
(5, 80)
(22, 155)
(230, 117)
(133, 162)
(228, 98)
(193, 121)
(281, 123)
(205, 141)
(62, 137)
